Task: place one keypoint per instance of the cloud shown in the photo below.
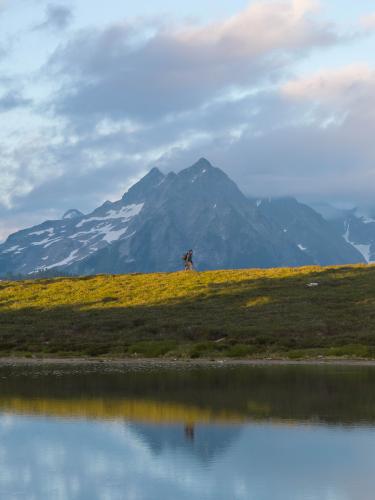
(311, 137)
(368, 22)
(340, 98)
(57, 17)
(135, 71)
(319, 147)
(140, 93)
(334, 86)
(12, 100)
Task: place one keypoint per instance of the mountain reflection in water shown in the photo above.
(280, 433)
(204, 442)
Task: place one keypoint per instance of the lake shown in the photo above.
(116, 432)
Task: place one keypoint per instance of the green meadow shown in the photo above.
(220, 314)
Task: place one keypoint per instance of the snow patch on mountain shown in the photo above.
(367, 220)
(49, 230)
(68, 260)
(199, 174)
(125, 213)
(51, 242)
(364, 249)
(46, 242)
(11, 249)
(16, 249)
(41, 242)
(110, 235)
(108, 232)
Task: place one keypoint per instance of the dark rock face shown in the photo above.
(163, 215)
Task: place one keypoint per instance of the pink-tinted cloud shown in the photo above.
(116, 74)
(333, 86)
(368, 22)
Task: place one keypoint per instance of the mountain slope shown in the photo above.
(356, 226)
(359, 231)
(310, 232)
(163, 215)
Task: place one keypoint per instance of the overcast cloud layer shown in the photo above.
(278, 94)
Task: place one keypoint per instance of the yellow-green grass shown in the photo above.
(139, 410)
(244, 313)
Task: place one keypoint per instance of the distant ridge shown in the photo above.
(72, 214)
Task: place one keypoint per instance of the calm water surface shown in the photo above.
(115, 433)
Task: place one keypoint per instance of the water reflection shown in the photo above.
(204, 442)
(94, 434)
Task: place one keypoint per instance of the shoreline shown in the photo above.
(153, 362)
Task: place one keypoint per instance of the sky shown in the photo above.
(277, 93)
(73, 459)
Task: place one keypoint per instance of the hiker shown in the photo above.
(188, 260)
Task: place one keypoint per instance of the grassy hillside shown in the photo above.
(247, 313)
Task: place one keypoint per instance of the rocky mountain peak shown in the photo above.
(154, 175)
(204, 171)
(202, 166)
(203, 163)
(147, 184)
(72, 214)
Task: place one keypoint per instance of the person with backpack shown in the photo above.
(188, 260)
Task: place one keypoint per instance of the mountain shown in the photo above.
(321, 241)
(355, 225)
(162, 216)
(204, 442)
(357, 229)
